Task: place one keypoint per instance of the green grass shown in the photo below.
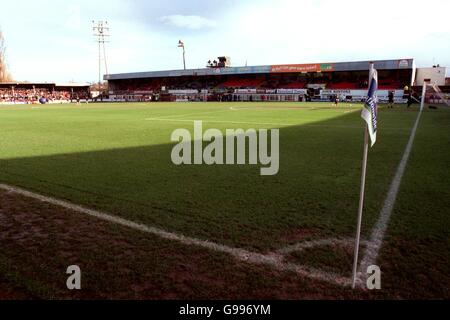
(107, 156)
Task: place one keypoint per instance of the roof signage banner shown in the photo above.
(295, 68)
(283, 68)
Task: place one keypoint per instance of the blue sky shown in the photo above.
(51, 40)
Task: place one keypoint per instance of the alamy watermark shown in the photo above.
(234, 142)
(374, 278)
(74, 280)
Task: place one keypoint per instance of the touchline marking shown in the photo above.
(273, 260)
(222, 121)
(239, 108)
(376, 240)
(190, 114)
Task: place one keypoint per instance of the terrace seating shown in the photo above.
(241, 83)
(388, 84)
(342, 86)
(295, 85)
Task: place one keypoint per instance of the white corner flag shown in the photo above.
(369, 114)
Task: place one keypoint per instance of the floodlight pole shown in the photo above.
(104, 58)
(101, 34)
(181, 45)
(184, 58)
(99, 66)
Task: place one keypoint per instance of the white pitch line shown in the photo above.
(223, 121)
(239, 108)
(317, 243)
(273, 260)
(376, 240)
(191, 114)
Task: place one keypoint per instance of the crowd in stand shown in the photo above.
(343, 80)
(19, 95)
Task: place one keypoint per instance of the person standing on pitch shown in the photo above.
(336, 100)
(391, 99)
(410, 99)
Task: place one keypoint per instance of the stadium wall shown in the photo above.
(435, 75)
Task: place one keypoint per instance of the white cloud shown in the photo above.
(188, 22)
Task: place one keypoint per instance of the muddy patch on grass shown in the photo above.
(427, 261)
(40, 240)
(334, 257)
(301, 234)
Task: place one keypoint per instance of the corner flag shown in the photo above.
(369, 112)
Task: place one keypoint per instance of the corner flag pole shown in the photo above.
(361, 197)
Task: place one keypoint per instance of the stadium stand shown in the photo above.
(241, 83)
(29, 93)
(296, 82)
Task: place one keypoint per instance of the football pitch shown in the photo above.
(219, 231)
